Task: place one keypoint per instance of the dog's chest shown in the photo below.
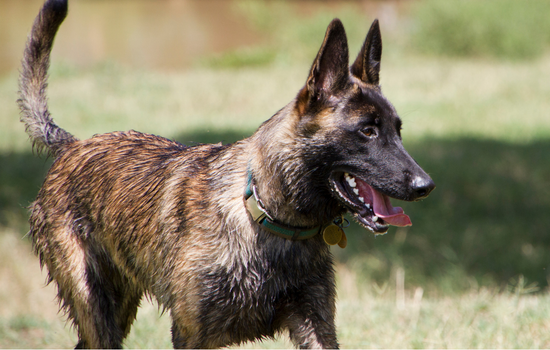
(247, 299)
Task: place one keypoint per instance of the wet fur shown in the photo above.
(128, 214)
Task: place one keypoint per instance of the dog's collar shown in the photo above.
(256, 208)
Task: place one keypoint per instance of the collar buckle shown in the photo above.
(256, 207)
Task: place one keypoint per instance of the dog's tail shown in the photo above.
(42, 130)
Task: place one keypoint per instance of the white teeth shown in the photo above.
(375, 218)
(368, 205)
(350, 179)
(356, 191)
(363, 201)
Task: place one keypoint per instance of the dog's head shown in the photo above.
(350, 133)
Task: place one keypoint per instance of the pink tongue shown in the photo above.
(382, 206)
(384, 210)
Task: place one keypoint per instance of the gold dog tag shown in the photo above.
(344, 241)
(332, 234)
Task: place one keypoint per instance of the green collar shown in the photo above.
(256, 208)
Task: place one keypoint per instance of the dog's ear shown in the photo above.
(367, 65)
(330, 70)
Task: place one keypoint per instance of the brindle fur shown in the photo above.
(125, 214)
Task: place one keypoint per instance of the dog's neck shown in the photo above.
(284, 183)
(260, 214)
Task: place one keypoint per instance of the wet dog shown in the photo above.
(230, 239)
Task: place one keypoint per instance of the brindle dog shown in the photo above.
(231, 239)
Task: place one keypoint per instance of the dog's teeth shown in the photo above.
(375, 218)
(350, 179)
(363, 200)
(356, 191)
(368, 205)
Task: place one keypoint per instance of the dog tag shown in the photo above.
(332, 234)
(343, 241)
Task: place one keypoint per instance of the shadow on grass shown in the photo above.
(487, 221)
(21, 175)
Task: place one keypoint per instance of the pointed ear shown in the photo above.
(330, 70)
(367, 65)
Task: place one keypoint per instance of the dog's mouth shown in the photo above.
(371, 208)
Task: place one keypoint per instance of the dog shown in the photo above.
(232, 240)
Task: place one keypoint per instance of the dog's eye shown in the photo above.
(369, 132)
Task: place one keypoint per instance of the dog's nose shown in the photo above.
(422, 186)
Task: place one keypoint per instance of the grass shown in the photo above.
(499, 29)
(390, 318)
(472, 272)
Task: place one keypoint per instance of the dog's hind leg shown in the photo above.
(99, 300)
(101, 303)
(107, 314)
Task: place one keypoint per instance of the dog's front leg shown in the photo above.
(312, 332)
(310, 318)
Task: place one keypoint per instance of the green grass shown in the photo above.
(501, 29)
(375, 317)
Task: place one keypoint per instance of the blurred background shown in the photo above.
(470, 79)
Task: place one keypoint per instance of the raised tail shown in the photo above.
(42, 130)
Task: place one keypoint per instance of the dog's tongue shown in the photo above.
(382, 206)
(384, 210)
